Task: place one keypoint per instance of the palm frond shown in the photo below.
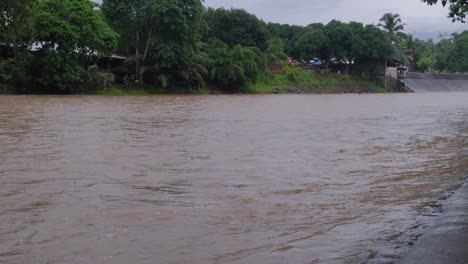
(200, 69)
(163, 79)
(184, 75)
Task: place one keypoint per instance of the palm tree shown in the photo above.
(194, 75)
(410, 46)
(393, 27)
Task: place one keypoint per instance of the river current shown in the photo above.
(225, 179)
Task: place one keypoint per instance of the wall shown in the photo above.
(427, 82)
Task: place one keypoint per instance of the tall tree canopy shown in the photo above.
(177, 31)
(14, 16)
(65, 33)
(368, 43)
(447, 55)
(393, 27)
(289, 34)
(313, 44)
(341, 41)
(236, 27)
(460, 53)
(443, 54)
(72, 26)
(162, 34)
(129, 18)
(458, 8)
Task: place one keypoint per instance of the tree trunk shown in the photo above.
(137, 55)
(147, 43)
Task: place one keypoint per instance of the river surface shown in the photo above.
(225, 179)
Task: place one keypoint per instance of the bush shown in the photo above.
(293, 73)
(234, 68)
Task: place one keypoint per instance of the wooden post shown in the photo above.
(385, 75)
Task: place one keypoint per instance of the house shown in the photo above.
(390, 72)
(115, 64)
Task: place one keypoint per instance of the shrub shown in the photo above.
(293, 73)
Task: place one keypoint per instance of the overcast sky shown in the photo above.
(422, 20)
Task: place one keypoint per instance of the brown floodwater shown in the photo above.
(225, 179)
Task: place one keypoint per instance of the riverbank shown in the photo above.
(314, 83)
(287, 83)
(302, 83)
(447, 240)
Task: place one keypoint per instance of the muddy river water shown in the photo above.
(225, 179)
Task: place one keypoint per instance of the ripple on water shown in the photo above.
(225, 179)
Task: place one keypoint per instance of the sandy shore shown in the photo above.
(447, 241)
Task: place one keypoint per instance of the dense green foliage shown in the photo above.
(235, 67)
(289, 34)
(54, 46)
(14, 16)
(64, 33)
(235, 27)
(448, 55)
(160, 36)
(343, 42)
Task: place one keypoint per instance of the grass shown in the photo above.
(293, 80)
(137, 91)
(119, 91)
(303, 82)
(202, 91)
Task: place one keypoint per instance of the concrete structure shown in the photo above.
(370, 69)
(390, 72)
(447, 240)
(427, 82)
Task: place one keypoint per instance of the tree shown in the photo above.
(368, 43)
(447, 55)
(339, 38)
(234, 67)
(423, 52)
(14, 20)
(72, 26)
(133, 20)
(288, 34)
(66, 33)
(424, 64)
(313, 44)
(459, 53)
(393, 26)
(347, 42)
(162, 33)
(458, 8)
(443, 54)
(177, 32)
(275, 51)
(410, 51)
(236, 27)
